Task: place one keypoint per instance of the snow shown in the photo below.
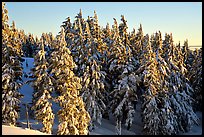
(8, 130)
(106, 128)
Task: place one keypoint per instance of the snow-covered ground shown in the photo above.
(106, 128)
(8, 130)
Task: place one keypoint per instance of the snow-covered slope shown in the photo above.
(8, 130)
(106, 128)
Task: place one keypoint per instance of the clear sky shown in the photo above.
(182, 19)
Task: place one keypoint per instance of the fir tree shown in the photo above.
(10, 95)
(22, 37)
(15, 41)
(196, 78)
(93, 91)
(42, 89)
(151, 84)
(73, 117)
(180, 91)
(10, 80)
(158, 95)
(87, 58)
(124, 81)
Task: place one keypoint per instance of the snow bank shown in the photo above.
(9, 130)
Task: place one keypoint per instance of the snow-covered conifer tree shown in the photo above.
(180, 89)
(196, 78)
(158, 112)
(150, 110)
(73, 117)
(185, 51)
(93, 78)
(181, 101)
(93, 91)
(10, 94)
(10, 78)
(124, 81)
(15, 39)
(42, 91)
(16, 43)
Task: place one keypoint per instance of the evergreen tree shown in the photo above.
(75, 40)
(163, 92)
(124, 81)
(151, 84)
(10, 76)
(42, 89)
(180, 91)
(47, 41)
(15, 41)
(29, 46)
(87, 57)
(186, 51)
(196, 78)
(22, 37)
(10, 94)
(73, 117)
(93, 91)
(168, 118)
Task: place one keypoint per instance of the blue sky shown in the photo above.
(182, 19)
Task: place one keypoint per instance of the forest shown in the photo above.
(93, 72)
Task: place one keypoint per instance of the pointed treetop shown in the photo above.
(3, 4)
(80, 13)
(160, 39)
(13, 24)
(107, 26)
(123, 20)
(186, 43)
(160, 34)
(79, 26)
(88, 18)
(68, 19)
(62, 32)
(133, 31)
(140, 25)
(179, 45)
(122, 17)
(115, 21)
(95, 15)
(147, 36)
(171, 37)
(62, 37)
(5, 17)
